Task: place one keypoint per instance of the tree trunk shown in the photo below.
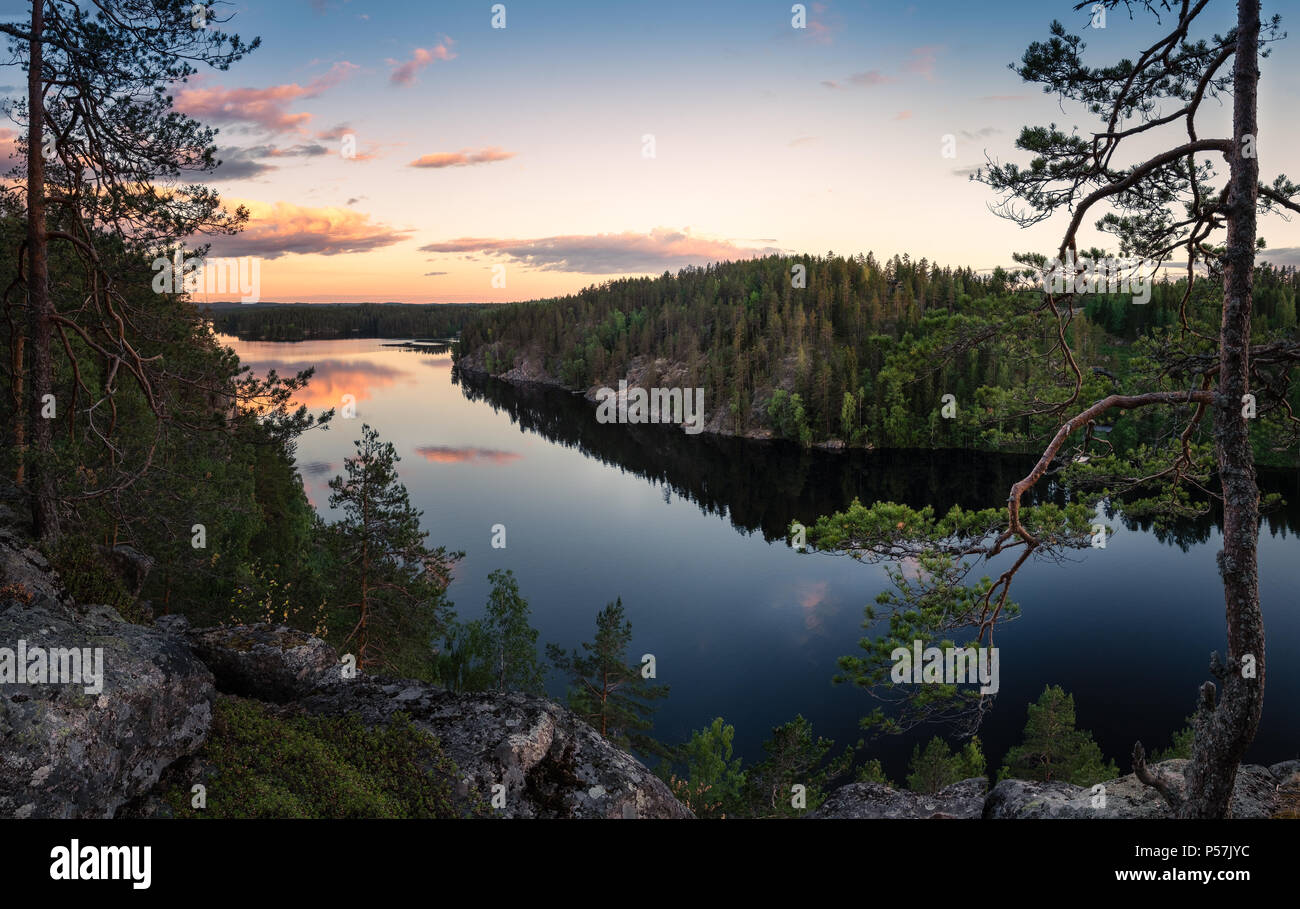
(1224, 731)
(20, 404)
(40, 309)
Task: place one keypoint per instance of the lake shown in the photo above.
(689, 531)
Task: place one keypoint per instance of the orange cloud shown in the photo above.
(463, 158)
(603, 254)
(404, 74)
(264, 107)
(812, 599)
(8, 148)
(445, 454)
(277, 229)
(332, 380)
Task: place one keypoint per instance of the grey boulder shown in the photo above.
(1254, 796)
(963, 800)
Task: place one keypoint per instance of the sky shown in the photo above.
(410, 151)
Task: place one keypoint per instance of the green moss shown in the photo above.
(265, 766)
(89, 579)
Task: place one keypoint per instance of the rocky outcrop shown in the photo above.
(551, 763)
(1260, 792)
(129, 564)
(873, 800)
(1254, 796)
(142, 705)
(270, 663)
(84, 749)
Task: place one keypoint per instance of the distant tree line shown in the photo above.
(303, 321)
(852, 349)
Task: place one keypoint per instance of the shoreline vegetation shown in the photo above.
(860, 358)
(160, 482)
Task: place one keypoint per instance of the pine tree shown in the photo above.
(938, 766)
(498, 651)
(608, 691)
(512, 642)
(395, 584)
(714, 783)
(1053, 749)
(794, 757)
(99, 81)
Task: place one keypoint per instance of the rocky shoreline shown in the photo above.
(66, 753)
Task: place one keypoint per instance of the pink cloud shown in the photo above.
(820, 32)
(404, 74)
(281, 228)
(923, 59)
(463, 158)
(602, 254)
(264, 107)
(812, 600)
(446, 454)
(869, 77)
(8, 148)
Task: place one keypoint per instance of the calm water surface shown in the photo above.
(688, 531)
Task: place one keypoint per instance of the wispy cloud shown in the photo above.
(282, 228)
(923, 61)
(8, 148)
(333, 379)
(446, 454)
(267, 108)
(405, 73)
(602, 254)
(867, 78)
(818, 27)
(463, 158)
(1282, 255)
(246, 163)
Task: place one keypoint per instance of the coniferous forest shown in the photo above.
(864, 353)
(946, 538)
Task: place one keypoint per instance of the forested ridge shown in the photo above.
(158, 476)
(863, 354)
(303, 321)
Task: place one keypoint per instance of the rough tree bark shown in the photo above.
(40, 308)
(1224, 731)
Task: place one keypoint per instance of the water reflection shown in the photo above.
(763, 486)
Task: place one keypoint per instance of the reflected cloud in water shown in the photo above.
(448, 454)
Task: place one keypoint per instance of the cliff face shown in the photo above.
(66, 752)
(642, 372)
(86, 749)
